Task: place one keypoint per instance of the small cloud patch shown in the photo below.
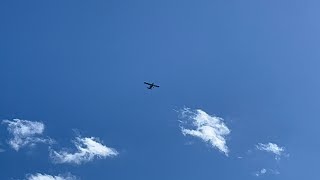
(210, 129)
(272, 148)
(264, 171)
(87, 150)
(25, 133)
(261, 172)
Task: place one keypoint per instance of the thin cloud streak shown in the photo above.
(87, 150)
(210, 129)
(40, 176)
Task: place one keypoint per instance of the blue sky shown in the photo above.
(73, 103)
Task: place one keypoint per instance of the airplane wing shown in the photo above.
(156, 86)
(147, 83)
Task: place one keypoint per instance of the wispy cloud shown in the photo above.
(40, 176)
(1, 150)
(25, 133)
(209, 128)
(272, 148)
(274, 172)
(87, 150)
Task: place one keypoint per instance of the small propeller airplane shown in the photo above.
(151, 85)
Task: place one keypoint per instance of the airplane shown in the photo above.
(151, 85)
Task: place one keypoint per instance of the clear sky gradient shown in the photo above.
(78, 66)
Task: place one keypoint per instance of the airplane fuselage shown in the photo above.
(151, 85)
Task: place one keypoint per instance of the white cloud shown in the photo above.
(261, 172)
(209, 128)
(40, 176)
(25, 133)
(87, 150)
(272, 148)
(264, 171)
